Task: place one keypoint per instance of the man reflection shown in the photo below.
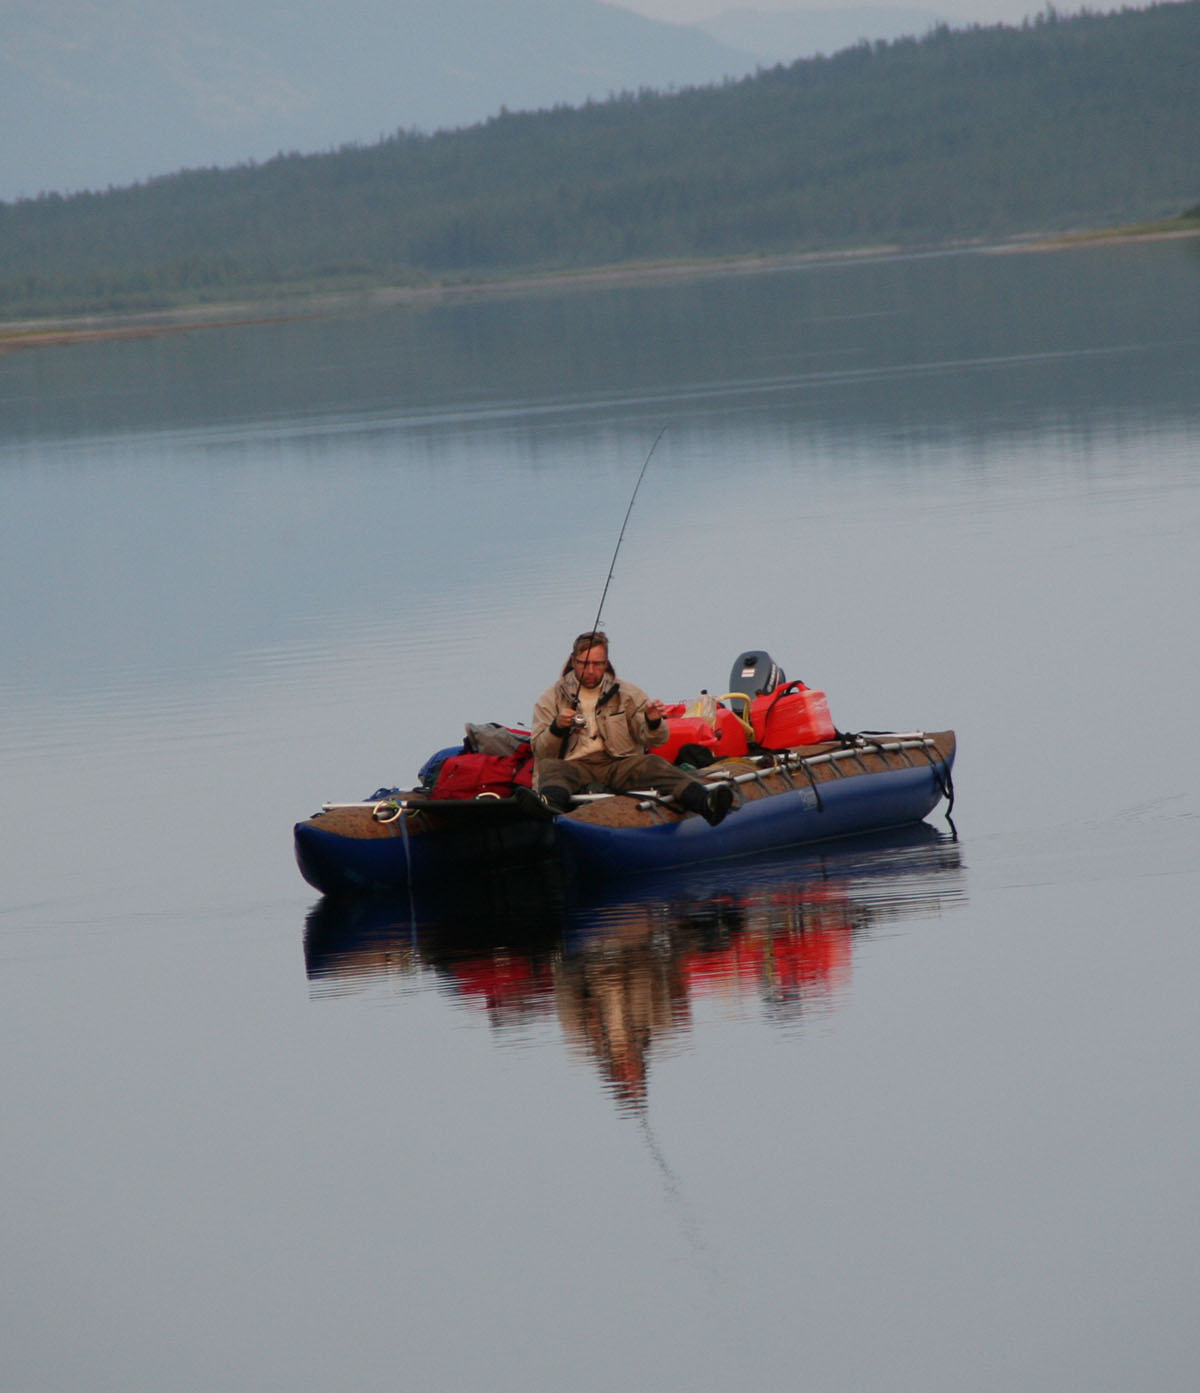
(618, 996)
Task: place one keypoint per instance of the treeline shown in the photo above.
(986, 132)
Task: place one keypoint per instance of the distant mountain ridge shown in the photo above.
(95, 95)
(100, 94)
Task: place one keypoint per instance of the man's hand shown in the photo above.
(653, 711)
(565, 718)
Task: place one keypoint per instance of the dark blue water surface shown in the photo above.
(913, 1113)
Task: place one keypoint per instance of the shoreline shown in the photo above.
(17, 335)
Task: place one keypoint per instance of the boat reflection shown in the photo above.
(622, 978)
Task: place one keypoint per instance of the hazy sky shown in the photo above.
(956, 11)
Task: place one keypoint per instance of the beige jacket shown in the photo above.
(620, 718)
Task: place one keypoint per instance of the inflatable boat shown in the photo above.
(793, 777)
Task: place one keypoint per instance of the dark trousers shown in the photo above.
(629, 771)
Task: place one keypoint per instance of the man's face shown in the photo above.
(589, 666)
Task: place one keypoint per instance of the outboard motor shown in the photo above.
(755, 672)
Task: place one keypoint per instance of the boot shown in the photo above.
(720, 800)
(533, 804)
(556, 797)
(711, 801)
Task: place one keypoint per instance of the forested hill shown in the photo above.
(1089, 120)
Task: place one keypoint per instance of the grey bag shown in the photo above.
(493, 739)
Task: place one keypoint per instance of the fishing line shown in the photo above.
(613, 565)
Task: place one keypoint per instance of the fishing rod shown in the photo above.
(579, 720)
(613, 565)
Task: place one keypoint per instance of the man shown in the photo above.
(589, 728)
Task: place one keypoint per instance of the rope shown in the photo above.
(812, 779)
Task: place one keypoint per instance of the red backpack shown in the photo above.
(473, 773)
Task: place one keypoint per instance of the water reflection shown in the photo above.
(623, 979)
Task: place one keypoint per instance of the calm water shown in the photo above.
(905, 1114)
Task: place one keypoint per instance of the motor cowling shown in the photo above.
(755, 672)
